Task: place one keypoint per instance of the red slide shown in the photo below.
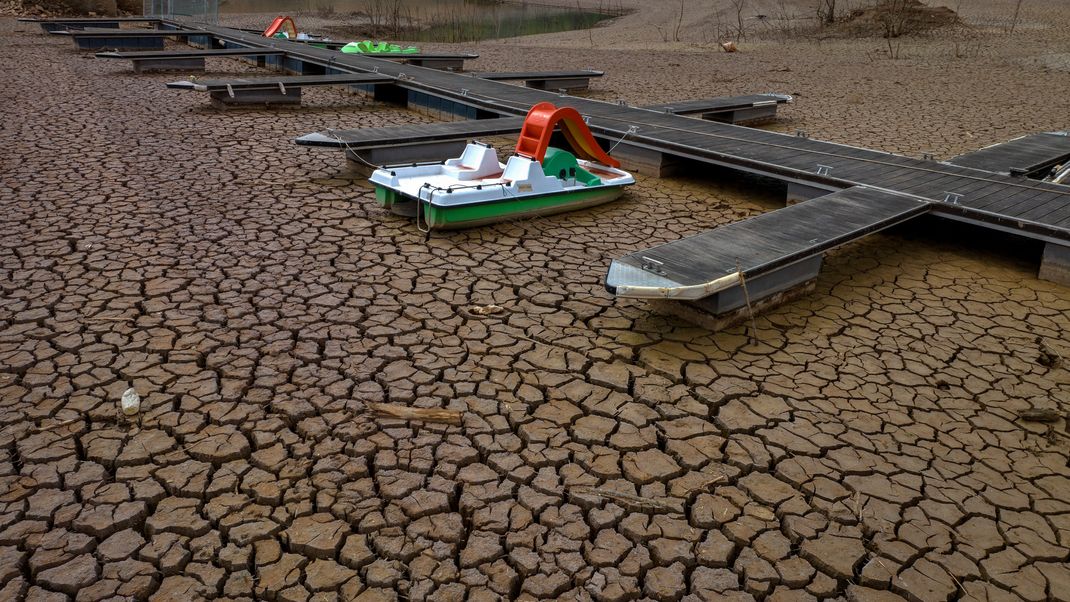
(284, 23)
(539, 126)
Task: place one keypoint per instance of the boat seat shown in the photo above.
(476, 162)
(521, 168)
(529, 172)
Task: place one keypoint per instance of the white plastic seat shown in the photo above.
(476, 162)
(521, 170)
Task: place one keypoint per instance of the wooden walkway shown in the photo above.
(1034, 208)
(699, 266)
(106, 33)
(187, 54)
(545, 80)
(1027, 207)
(279, 82)
(278, 90)
(186, 61)
(518, 75)
(721, 103)
(99, 39)
(77, 23)
(751, 109)
(1025, 156)
(413, 134)
(475, 128)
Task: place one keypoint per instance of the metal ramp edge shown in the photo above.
(701, 265)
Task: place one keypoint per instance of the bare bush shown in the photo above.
(376, 11)
(741, 26)
(679, 23)
(1017, 13)
(826, 11)
(893, 16)
(784, 22)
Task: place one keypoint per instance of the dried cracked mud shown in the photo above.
(865, 444)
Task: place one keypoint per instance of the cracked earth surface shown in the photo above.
(864, 445)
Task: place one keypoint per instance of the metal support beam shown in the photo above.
(748, 116)
(444, 64)
(729, 307)
(390, 93)
(645, 161)
(224, 99)
(123, 43)
(162, 64)
(762, 287)
(1055, 264)
(50, 26)
(576, 83)
(798, 193)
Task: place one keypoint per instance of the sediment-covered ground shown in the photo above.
(864, 444)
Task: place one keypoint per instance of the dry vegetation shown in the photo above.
(52, 8)
(895, 22)
(894, 18)
(831, 18)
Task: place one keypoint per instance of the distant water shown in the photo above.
(440, 20)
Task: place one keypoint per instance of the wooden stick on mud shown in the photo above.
(628, 499)
(56, 425)
(423, 414)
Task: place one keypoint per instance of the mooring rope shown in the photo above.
(349, 150)
(631, 130)
(746, 297)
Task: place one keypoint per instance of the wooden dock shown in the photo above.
(279, 90)
(188, 60)
(413, 134)
(432, 142)
(652, 141)
(773, 252)
(545, 80)
(117, 39)
(1028, 206)
(462, 130)
(1024, 156)
(750, 109)
(276, 82)
(50, 25)
(410, 143)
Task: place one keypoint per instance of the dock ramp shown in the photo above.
(1026, 156)
(769, 254)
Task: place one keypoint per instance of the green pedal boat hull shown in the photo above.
(445, 217)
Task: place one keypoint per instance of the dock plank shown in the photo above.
(725, 103)
(766, 242)
(184, 54)
(524, 75)
(434, 132)
(108, 34)
(1027, 155)
(267, 83)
